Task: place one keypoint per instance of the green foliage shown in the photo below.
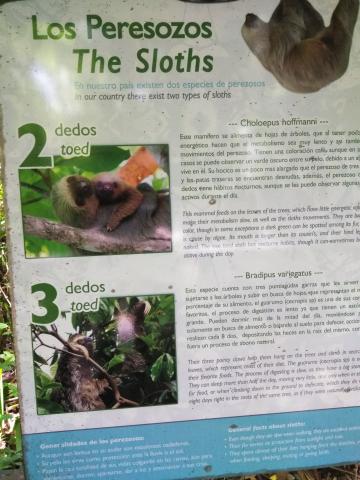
(10, 434)
(163, 368)
(7, 361)
(144, 368)
(10, 457)
(45, 386)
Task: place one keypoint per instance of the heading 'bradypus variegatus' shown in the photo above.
(297, 48)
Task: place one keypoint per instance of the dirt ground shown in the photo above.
(12, 475)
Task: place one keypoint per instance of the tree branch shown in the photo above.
(119, 399)
(94, 239)
(35, 188)
(46, 177)
(3, 293)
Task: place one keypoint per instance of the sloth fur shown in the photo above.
(81, 390)
(298, 49)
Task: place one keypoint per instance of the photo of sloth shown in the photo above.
(114, 201)
(122, 355)
(301, 52)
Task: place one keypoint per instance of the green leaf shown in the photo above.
(81, 322)
(54, 358)
(125, 348)
(163, 368)
(53, 368)
(76, 319)
(7, 360)
(110, 327)
(102, 158)
(42, 379)
(117, 360)
(160, 184)
(39, 359)
(17, 430)
(5, 417)
(45, 407)
(12, 390)
(104, 313)
(149, 340)
(10, 459)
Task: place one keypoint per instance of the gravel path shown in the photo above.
(12, 475)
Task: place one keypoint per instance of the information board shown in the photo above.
(182, 189)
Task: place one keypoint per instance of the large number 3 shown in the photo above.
(34, 159)
(52, 310)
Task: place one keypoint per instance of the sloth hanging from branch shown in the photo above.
(122, 355)
(82, 381)
(298, 49)
(80, 389)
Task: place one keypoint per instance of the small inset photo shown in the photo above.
(121, 356)
(115, 200)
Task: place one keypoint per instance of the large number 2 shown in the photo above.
(34, 159)
(52, 310)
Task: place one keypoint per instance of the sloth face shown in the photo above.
(84, 341)
(105, 191)
(108, 188)
(80, 188)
